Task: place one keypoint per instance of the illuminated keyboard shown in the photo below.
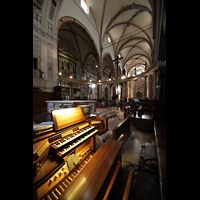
(72, 137)
(75, 142)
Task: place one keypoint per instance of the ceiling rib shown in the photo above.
(102, 18)
(139, 55)
(123, 9)
(134, 38)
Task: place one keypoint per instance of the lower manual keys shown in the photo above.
(54, 195)
(57, 192)
(64, 185)
(69, 178)
(49, 198)
(61, 188)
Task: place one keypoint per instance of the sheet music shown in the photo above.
(71, 160)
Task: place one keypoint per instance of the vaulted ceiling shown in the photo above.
(129, 25)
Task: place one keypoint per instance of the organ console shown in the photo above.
(65, 164)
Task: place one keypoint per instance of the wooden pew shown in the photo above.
(122, 128)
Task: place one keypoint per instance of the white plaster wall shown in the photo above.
(44, 41)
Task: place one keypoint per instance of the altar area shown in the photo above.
(58, 104)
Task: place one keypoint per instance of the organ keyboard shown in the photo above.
(68, 139)
(72, 169)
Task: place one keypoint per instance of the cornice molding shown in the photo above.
(132, 78)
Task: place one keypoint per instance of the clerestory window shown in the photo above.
(85, 6)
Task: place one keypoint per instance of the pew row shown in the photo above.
(122, 129)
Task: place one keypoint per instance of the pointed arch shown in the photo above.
(87, 57)
(111, 62)
(77, 23)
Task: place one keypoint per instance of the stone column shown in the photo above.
(99, 91)
(124, 90)
(135, 89)
(99, 76)
(88, 91)
(132, 88)
(145, 87)
(81, 90)
(109, 95)
(71, 89)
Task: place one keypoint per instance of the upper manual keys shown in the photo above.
(76, 143)
(69, 138)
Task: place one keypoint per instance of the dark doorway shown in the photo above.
(106, 92)
(139, 95)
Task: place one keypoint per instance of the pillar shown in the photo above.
(124, 90)
(99, 76)
(87, 91)
(155, 84)
(81, 91)
(114, 90)
(129, 90)
(162, 82)
(145, 87)
(135, 88)
(109, 95)
(151, 86)
(99, 91)
(148, 91)
(117, 69)
(132, 88)
(71, 90)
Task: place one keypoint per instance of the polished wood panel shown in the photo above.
(105, 124)
(112, 180)
(123, 127)
(39, 98)
(91, 179)
(66, 117)
(128, 186)
(121, 186)
(49, 167)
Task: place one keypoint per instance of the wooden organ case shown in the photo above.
(67, 166)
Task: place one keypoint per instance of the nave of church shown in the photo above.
(99, 99)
